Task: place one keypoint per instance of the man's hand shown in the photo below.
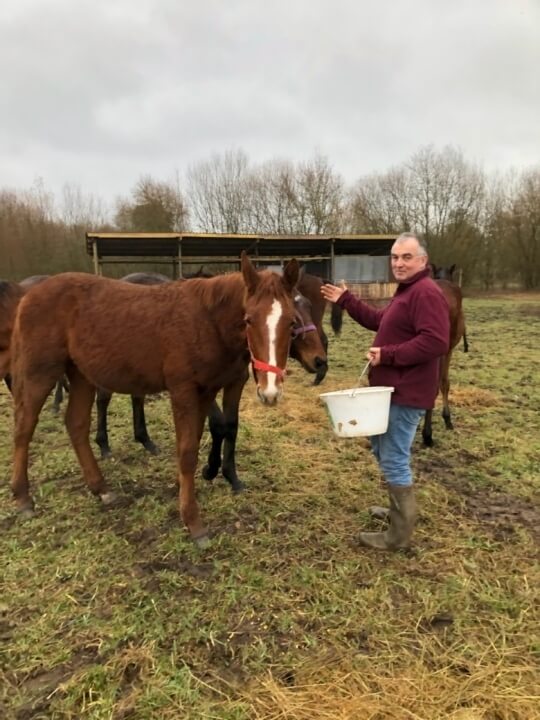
(332, 292)
(374, 356)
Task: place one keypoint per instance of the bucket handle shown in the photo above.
(363, 373)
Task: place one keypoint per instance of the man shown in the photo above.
(413, 332)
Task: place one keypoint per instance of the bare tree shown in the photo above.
(380, 203)
(523, 228)
(79, 209)
(272, 198)
(320, 195)
(218, 190)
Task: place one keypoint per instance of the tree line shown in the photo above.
(488, 224)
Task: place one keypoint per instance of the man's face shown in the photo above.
(406, 261)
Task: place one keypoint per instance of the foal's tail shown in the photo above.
(336, 318)
(336, 314)
(10, 295)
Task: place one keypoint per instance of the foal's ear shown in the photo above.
(251, 276)
(291, 274)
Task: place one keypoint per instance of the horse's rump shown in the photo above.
(10, 296)
(454, 298)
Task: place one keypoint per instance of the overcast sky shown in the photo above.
(96, 93)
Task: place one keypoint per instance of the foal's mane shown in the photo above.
(230, 288)
(215, 291)
(9, 292)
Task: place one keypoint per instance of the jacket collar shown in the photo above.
(426, 272)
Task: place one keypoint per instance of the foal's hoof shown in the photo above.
(27, 512)
(151, 447)
(108, 499)
(238, 487)
(105, 452)
(209, 473)
(202, 542)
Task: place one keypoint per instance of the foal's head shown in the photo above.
(270, 317)
(443, 273)
(307, 346)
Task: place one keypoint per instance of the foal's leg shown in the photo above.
(58, 396)
(465, 342)
(189, 416)
(29, 398)
(427, 432)
(445, 388)
(79, 410)
(231, 405)
(140, 432)
(103, 398)
(216, 425)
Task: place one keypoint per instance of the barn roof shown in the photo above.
(197, 247)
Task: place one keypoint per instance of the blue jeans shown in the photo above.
(393, 448)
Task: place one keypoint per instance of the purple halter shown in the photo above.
(302, 330)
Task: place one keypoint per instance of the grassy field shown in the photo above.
(115, 614)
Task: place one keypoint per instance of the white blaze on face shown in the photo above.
(272, 322)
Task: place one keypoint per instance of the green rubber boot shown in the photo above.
(402, 520)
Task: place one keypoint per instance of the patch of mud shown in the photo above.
(41, 685)
(436, 623)
(185, 567)
(532, 310)
(501, 513)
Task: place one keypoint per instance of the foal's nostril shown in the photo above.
(320, 363)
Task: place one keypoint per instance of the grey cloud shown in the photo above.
(101, 92)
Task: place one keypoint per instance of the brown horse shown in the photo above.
(10, 295)
(454, 297)
(306, 347)
(223, 424)
(191, 338)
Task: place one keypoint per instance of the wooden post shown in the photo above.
(97, 267)
(177, 266)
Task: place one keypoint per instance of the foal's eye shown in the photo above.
(247, 320)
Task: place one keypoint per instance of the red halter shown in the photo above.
(264, 366)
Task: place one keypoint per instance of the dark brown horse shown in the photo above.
(103, 397)
(454, 297)
(440, 272)
(310, 286)
(191, 338)
(306, 347)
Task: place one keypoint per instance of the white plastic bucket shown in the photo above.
(359, 411)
